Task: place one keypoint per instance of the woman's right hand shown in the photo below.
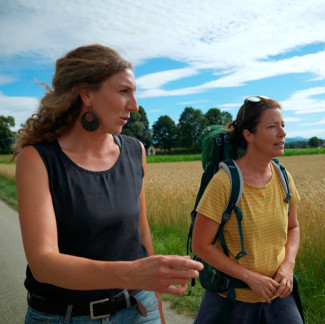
(164, 273)
(264, 286)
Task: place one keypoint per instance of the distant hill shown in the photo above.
(296, 139)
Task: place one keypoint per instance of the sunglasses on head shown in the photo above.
(253, 99)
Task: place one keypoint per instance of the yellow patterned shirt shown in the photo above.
(264, 224)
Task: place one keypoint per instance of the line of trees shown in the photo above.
(165, 133)
(312, 142)
(7, 136)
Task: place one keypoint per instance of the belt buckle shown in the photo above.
(91, 306)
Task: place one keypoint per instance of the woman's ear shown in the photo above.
(249, 137)
(84, 93)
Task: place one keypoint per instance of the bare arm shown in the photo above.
(204, 232)
(284, 274)
(48, 265)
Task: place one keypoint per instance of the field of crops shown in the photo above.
(171, 190)
(171, 187)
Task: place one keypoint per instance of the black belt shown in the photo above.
(95, 309)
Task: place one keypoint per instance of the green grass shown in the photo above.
(8, 192)
(197, 157)
(172, 240)
(304, 151)
(173, 158)
(309, 269)
(5, 159)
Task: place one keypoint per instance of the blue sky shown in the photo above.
(198, 53)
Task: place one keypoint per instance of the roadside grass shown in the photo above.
(6, 159)
(173, 158)
(171, 190)
(8, 192)
(304, 151)
(197, 157)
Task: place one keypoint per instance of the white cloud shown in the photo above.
(236, 41)
(319, 122)
(19, 107)
(192, 102)
(5, 79)
(291, 119)
(158, 79)
(302, 102)
(312, 63)
(231, 105)
(210, 34)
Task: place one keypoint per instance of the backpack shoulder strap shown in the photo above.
(117, 140)
(236, 186)
(236, 190)
(283, 178)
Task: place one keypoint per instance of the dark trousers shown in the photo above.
(280, 311)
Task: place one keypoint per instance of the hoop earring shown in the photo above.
(89, 125)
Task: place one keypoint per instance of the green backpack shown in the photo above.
(217, 152)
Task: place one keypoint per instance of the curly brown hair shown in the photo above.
(84, 66)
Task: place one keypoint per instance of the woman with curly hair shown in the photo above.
(81, 201)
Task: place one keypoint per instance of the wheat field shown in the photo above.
(171, 189)
(8, 171)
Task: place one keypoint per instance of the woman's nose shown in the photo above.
(133, 104)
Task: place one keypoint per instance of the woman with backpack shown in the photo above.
(81, 201)
(269, 225)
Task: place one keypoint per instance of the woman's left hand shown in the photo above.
(284, 276)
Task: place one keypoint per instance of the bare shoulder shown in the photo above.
(28, 153)
(29, 162)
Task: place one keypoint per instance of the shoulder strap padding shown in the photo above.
(283, 178)
(117, 140)
(236, 186)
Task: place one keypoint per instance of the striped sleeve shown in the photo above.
(215, 197)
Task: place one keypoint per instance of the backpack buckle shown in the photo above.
(227, 139)
(224, 284)
(218, 141)
(241, 254)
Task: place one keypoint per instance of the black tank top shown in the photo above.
(97, 213)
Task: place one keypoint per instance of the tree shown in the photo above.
(213, 116)
(138, 127)
(216, 117)
(226, 118)
(314, 142)
(165, 132)
(7, 136)
(190, 126)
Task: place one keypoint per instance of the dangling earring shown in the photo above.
(92, 124)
